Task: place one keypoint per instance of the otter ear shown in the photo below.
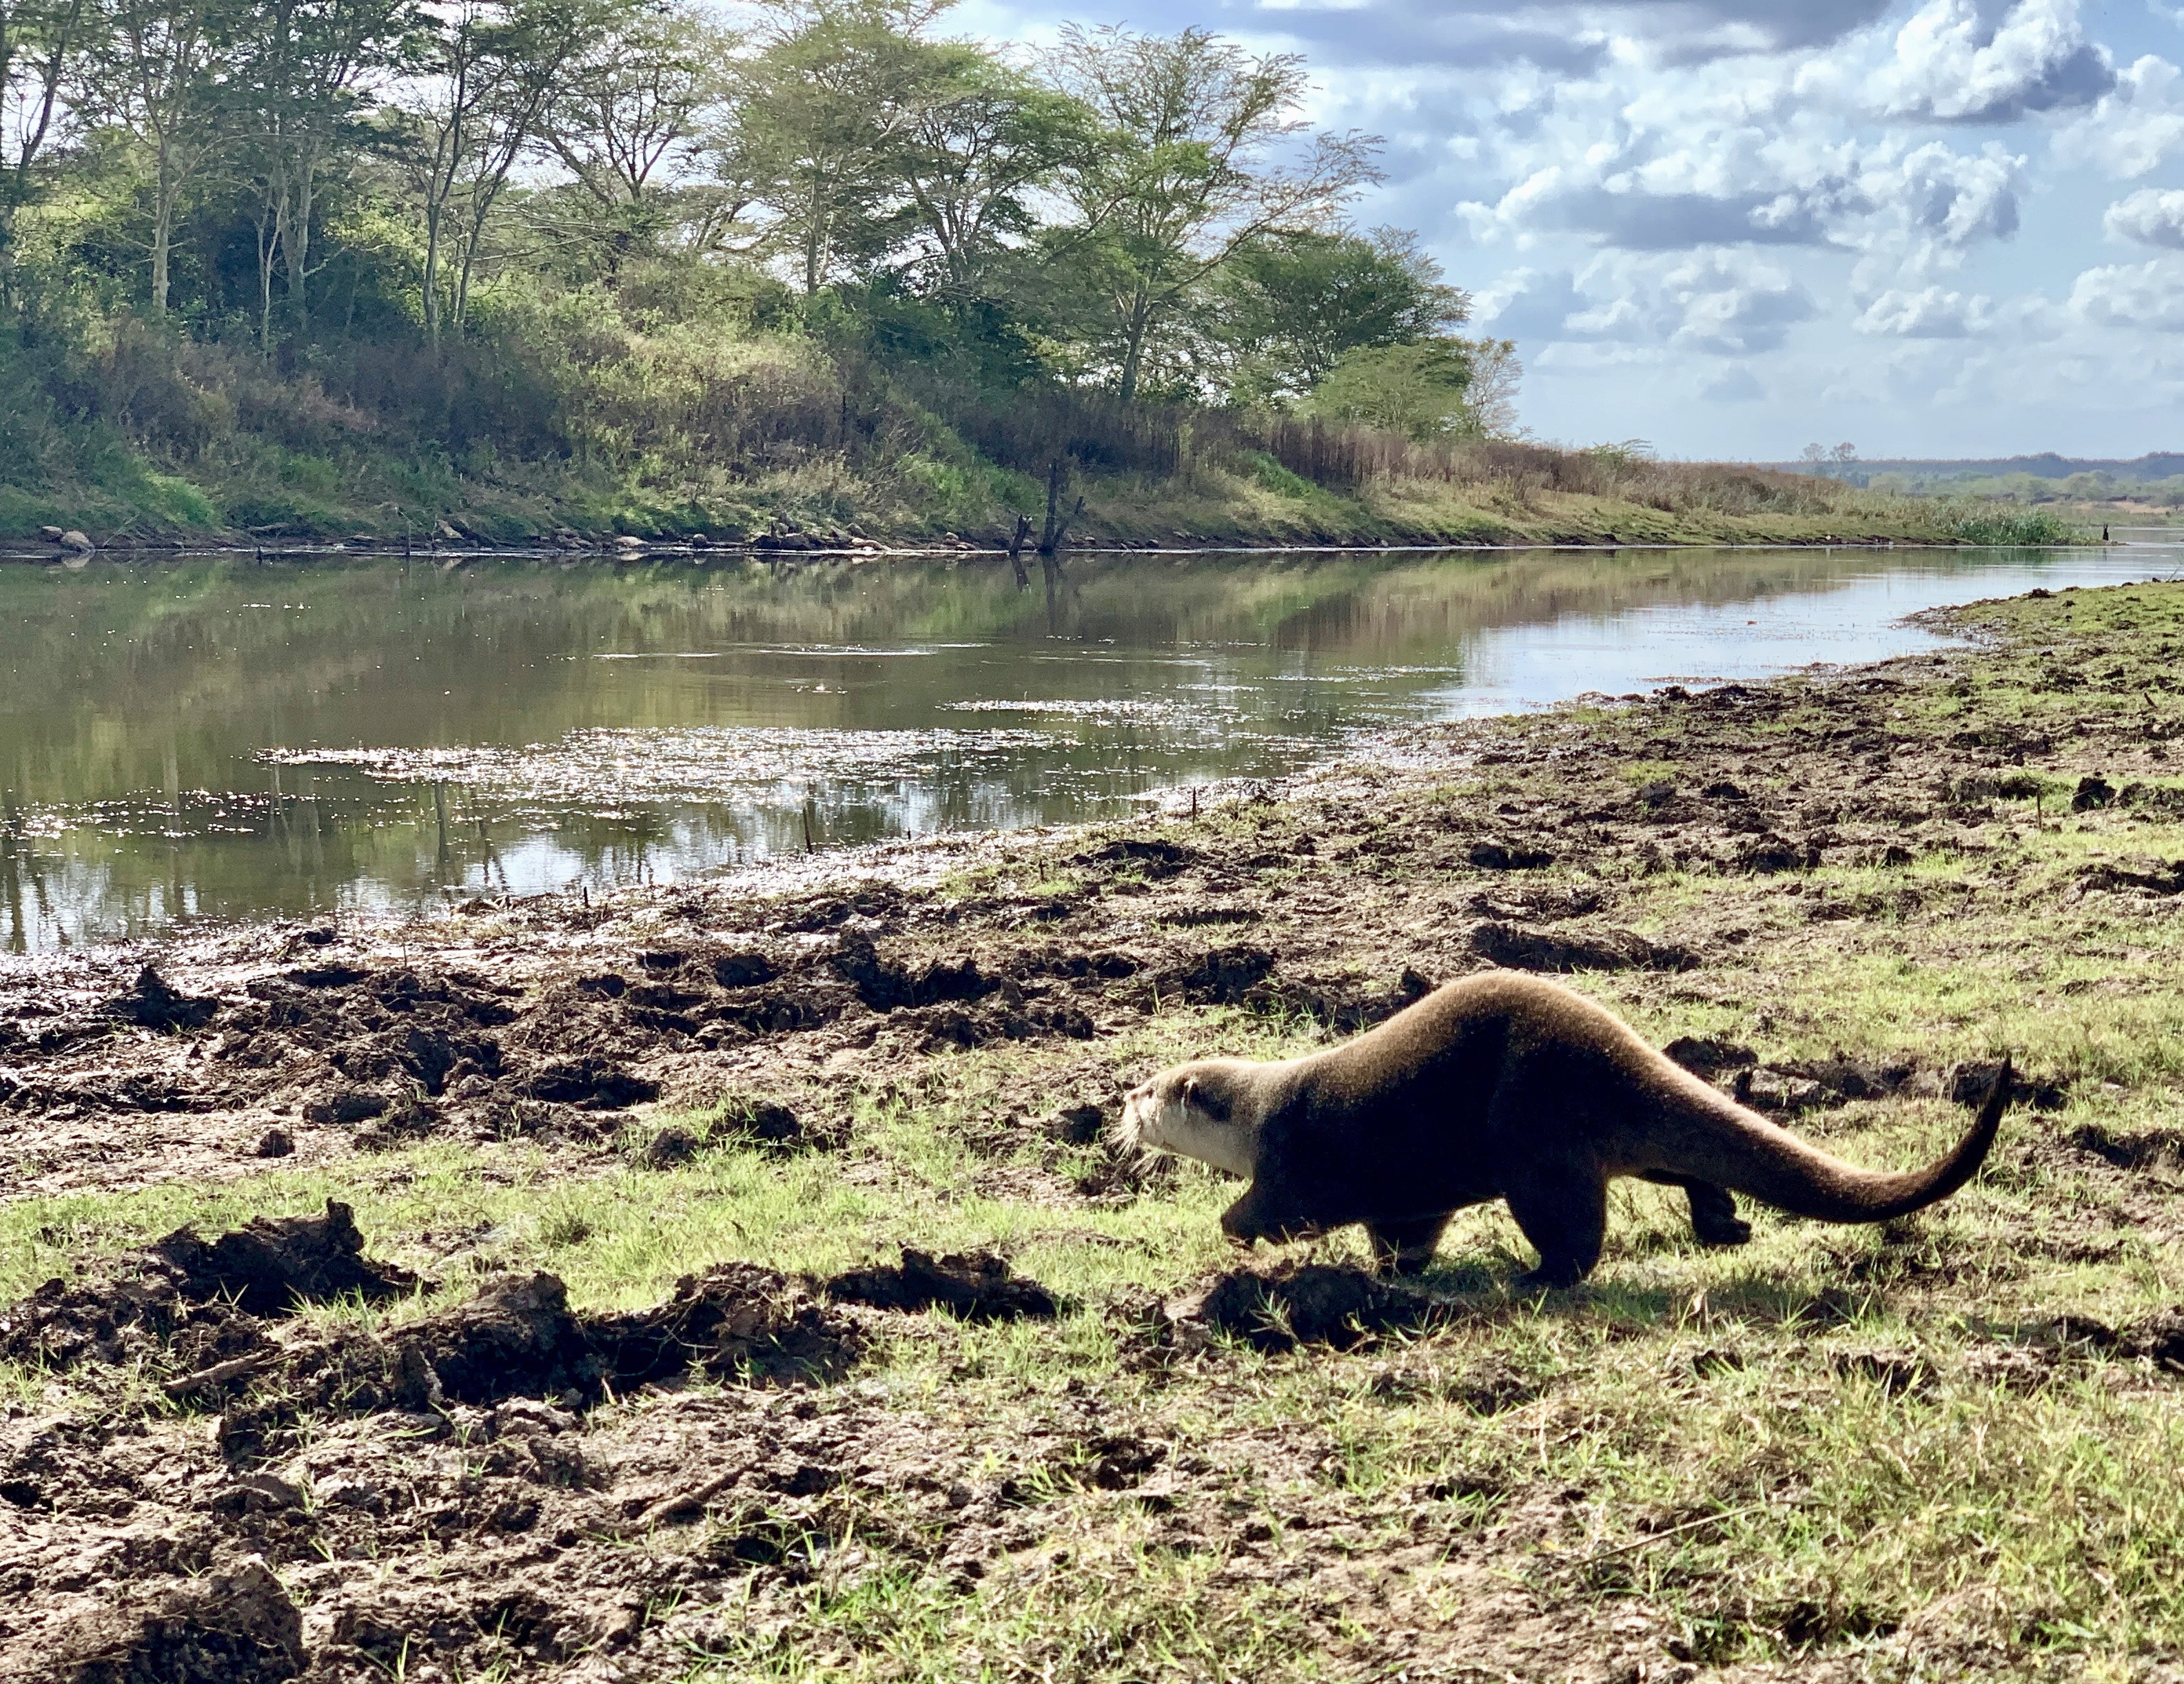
(1191, 1090)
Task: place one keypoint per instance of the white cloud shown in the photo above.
(2145, 295)
(2152, 216)
(1528, 304)
(1721, 303)
(2134, 127)
(1951, 64)
(1931, 312)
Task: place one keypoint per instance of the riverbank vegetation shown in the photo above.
(715, 1126)
(359, 266)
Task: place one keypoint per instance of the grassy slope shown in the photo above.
(113, 495)
(1863, 1447)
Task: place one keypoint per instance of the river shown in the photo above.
(215, 738)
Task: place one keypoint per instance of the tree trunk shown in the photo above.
(295, 232)
(268, 237)
(432, 299)
(1134, 341)
(163, 238)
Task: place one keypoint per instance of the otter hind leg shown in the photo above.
(1714, 1220)
(1563, 1212)
(1714, 1215)
(1406, 1247)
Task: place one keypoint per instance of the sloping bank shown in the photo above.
(1949, 1447)
(1535, 496)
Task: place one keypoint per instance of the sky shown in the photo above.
(1732, 228)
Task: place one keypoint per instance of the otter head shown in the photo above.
(1207, 1110)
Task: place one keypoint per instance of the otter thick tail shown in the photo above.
(1735, 1148)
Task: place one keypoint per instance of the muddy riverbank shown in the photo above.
(736, 1280)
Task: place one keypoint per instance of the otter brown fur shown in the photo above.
(1504, 1086)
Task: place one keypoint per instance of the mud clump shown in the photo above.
(1313, 1303)
(671, 1146)
(237, 1627)
(1152, 859)
(1224, 975)
(591, 1083)
(516, 1336)
(1521, 949)
(737, 1321)
(886, 985)
(1492, 856)
(1707, 1056)
(189, 1302)
(153, 1004)
(124, 1316)
(767, 1124)
(974, 1286)
(346, 1106)
(744, 971)
(2129, 1150)
(271, 1264)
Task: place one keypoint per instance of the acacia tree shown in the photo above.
(492, 68)
(307, 68)
(39, 42)
(628, 120)
(978, 141)
(815, 129)
(1288, 306)
(1190, 168)
(157, 71)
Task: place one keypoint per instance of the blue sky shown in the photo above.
(1731, 227)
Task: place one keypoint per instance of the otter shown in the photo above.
(1504, 1086)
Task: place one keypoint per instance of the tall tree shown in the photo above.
(157, 71)
(628, 119)
(1193, 167)
(305, 71)
(817, 125)
(979, 139)
(39, 41)
(492, 69)
(1287, 306)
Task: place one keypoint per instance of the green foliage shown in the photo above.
(1274, 477)
(1287, 307)
(1422, 390)
(1973, 523)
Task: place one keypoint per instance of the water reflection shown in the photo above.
(213, 738)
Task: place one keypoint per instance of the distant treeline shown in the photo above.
(2156, 477)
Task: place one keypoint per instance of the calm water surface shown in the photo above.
(216, 739)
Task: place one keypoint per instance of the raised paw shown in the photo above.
(1723, 1231)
